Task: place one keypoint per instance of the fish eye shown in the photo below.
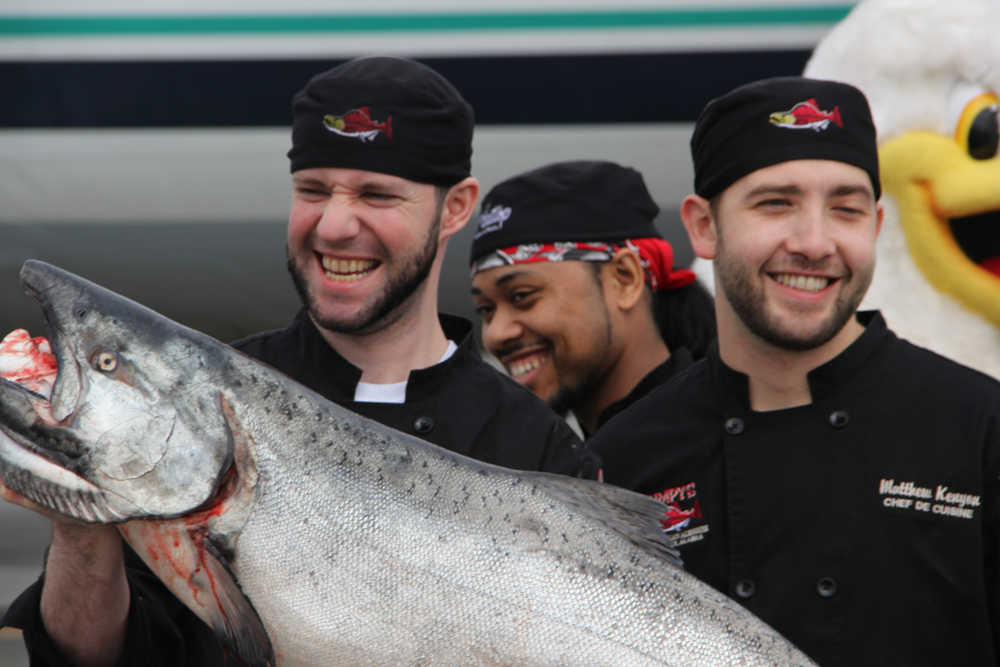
(105, 362)
(978, 130)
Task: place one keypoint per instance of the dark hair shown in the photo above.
(686, 318)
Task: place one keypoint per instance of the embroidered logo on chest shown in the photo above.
(937, 499)
(683, 517)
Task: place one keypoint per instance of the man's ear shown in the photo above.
(459, 203)
(696, 214)
(625, 275)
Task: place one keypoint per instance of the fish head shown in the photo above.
(334, 122)
(781, 118)
(132, 428)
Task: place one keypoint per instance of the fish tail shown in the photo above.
(836, 117)
(388, 127)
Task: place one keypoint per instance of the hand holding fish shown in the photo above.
(85, 578)
(28, 361)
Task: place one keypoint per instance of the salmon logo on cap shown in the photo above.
(806, 115)
(358, 124)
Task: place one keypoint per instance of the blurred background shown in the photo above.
(144, 147)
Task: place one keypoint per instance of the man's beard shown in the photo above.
(747, 301)
(382, 311)
(568, 397)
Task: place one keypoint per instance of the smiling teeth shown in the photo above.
(521, 367)
(346, 270)
(806, 283)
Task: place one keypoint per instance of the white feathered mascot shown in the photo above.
(931, 72)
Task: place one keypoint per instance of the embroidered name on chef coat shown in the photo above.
(938, 499)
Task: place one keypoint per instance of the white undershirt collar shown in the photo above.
(394, 392)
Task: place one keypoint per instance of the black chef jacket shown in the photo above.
(864, 526)
(462, 404)
(678, 360)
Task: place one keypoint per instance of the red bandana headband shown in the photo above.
(655, 255)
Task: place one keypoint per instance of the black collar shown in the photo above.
(733, 387)
(678, 360)
(345, 375)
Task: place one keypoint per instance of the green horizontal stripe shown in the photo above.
(87, 26)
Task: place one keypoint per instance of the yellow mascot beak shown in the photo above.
(949, 208)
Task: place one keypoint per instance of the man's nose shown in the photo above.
(811, 235)
(502, 329)
(339, 219)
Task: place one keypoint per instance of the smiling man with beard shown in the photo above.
(810, 462)
(380, 160)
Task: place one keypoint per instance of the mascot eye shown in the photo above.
(105, 361)
(978, 130)
(984, 134)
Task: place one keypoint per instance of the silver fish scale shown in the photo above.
(396, 553)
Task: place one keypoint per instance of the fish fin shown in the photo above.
(190, 555)
(388, 127)
(812, 102)
(635, 516)
(187, 563)
(836, 117)
(240, 627)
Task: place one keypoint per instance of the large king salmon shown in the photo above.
(305, 534)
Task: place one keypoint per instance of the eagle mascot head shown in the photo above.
(931, 72)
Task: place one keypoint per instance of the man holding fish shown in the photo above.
(380, 163)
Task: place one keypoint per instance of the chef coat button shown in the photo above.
(826, 587)
(839, 418)
(734, 426)
(423, 424)
(745, 588)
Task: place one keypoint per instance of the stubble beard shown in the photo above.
(588, 380)
(401, 285)
(747, 300)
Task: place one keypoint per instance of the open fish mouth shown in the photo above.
(67, 390)
(42, 474)
(40, 458)
(44, 483)
(978, 236)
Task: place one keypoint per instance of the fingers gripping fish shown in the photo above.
(307, 535)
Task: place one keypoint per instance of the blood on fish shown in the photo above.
(28, 361)
(211, 582)
(217, 504)
(161, 537)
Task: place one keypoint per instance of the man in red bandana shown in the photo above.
(577, 291)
